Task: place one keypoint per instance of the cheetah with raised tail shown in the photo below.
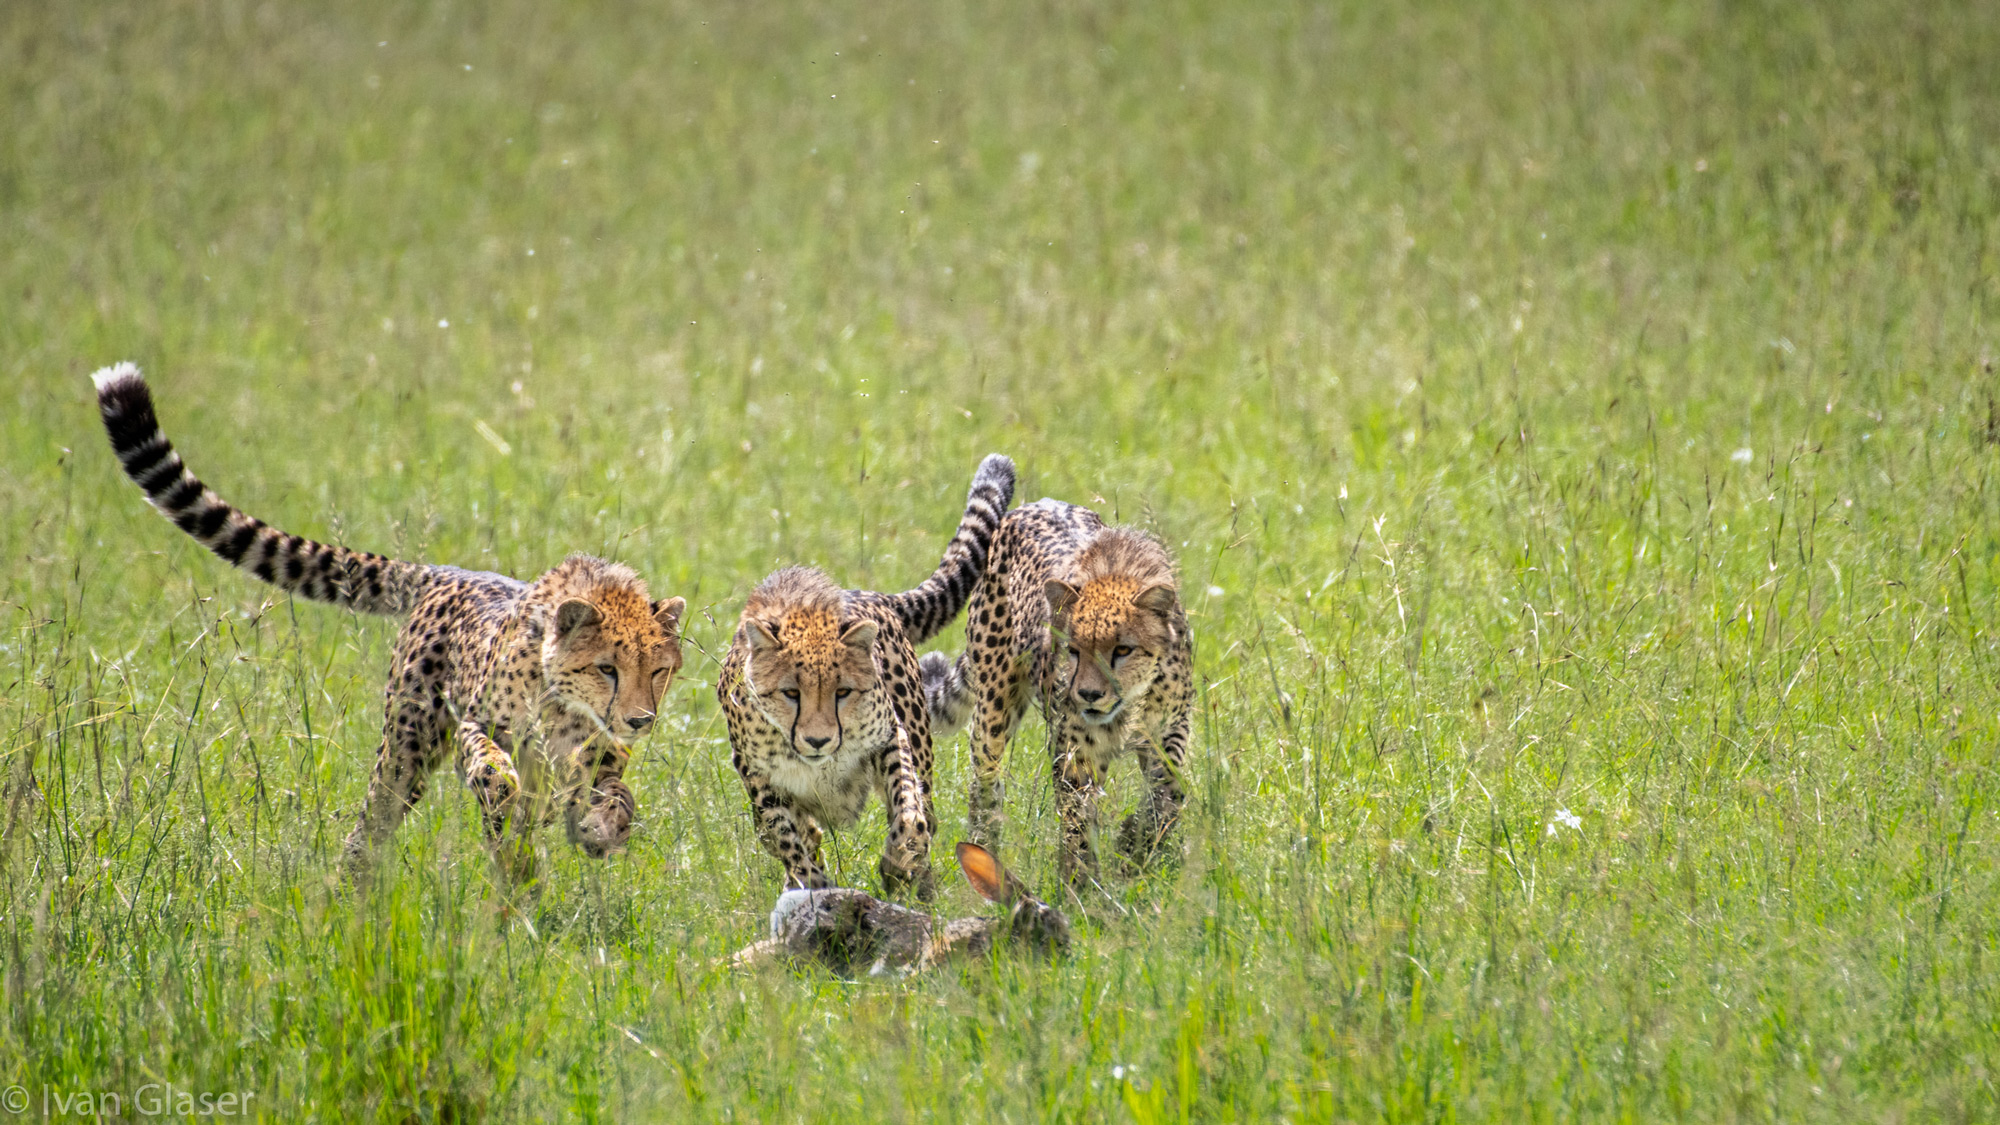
(1089, 617)
(541, 685)
(824, 705)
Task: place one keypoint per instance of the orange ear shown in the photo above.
(983, 872)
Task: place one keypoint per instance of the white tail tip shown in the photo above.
(116, 373)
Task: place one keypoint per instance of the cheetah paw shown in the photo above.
(598, 837)
(899, 879)
(497, 782)
(1141, 845)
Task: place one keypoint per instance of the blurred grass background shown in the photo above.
(1563, 415)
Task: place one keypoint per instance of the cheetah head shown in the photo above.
(811, 665)
(1116, 624)
(812, 674)
(610, 653)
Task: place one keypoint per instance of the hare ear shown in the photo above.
(984, 873)
(668, 614)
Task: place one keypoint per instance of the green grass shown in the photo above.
(1587, 409)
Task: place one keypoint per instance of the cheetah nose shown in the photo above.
(817, 743)
(1089, 694)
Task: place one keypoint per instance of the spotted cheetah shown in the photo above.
(1090, 617)
(542, 684)
(824, 706)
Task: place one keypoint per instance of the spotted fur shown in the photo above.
(1089, 618)
(540, 685)
(824, 705)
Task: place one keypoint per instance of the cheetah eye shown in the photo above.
(1074, 654)
(610, 670)
(791, 693)
(843, 693)
(1121, 652)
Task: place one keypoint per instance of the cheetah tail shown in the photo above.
(364, 582)
(932, 605)
(947, 696)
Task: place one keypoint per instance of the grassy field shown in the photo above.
(1578, 430)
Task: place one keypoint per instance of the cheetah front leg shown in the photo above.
(600, 813)
(488, 769)
(906, 863)
(1002, 700)
(1143, 833)
(1078, 780)
(995, 676)
(788, 834)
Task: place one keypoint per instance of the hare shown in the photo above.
(848, 931)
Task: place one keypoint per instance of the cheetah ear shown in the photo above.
(860, 636)
(574, 616)
(668, 614)
(1061, 596)
(985, 874)
(763, 636)
(1160, 599)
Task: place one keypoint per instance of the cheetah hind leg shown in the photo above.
(403, 765)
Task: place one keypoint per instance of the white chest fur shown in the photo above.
(833, 789)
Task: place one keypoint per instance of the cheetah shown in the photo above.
(1089, 617)
(543, 685)
(824, 707)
